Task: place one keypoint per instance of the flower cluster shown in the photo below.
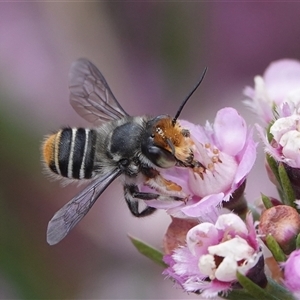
(277, 89)
(213, 247)
(276, 99)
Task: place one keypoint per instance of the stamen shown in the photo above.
(216, 151)
(210, 167)
(200, 171)
(215, 159)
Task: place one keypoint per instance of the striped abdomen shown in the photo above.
(70, 152)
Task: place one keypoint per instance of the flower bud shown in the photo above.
(283, 223)
(278, 86)
(176, 233)
(292, 273)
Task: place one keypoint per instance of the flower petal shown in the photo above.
(246, 158)
(203, 207)
(282, 77)
(292, 272)
(230, 130)
(232, 222)
(200, 237)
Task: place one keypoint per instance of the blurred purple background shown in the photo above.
(151, 54)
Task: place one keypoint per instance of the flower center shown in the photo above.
(223, 260)
(216, 172)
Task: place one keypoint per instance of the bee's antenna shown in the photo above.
(188, 97)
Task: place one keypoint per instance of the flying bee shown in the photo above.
(120, 144)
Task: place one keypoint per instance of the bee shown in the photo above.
(135, 148)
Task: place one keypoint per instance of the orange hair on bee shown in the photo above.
(49, 149)
(173, 138)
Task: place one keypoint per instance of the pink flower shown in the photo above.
(226, 151)
(276, 98)
(213, 254)
(285, 143)
(292, 273)
(278, 88)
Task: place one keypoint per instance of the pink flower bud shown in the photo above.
(292, 273)
(283, 223)
(176, 233)
(279, 86)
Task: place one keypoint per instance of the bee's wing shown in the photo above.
(71, 213)
(90, 95)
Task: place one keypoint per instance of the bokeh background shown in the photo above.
(152, 54)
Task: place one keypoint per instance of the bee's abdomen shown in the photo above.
(70, 152)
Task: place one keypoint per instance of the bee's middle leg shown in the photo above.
(133, 195)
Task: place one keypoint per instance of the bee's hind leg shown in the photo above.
(133, 195)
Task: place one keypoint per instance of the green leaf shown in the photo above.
(276, 289)
(266, 200)
(150, 252)
(272, 291)
(255, 213)
(281, 194)
(275, 249)
(289, 195)
(239, 295)
(273, 166)
(298, 241)
(270, 136)
(253, 289)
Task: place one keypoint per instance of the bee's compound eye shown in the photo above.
(160, 157)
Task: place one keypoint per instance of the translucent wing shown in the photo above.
(71, 213)
(91, 96)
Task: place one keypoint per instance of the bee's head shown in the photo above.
(156, 145)
(165, 143)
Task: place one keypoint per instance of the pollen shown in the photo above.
(161, 184)
(48, 149)
(171, 186)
